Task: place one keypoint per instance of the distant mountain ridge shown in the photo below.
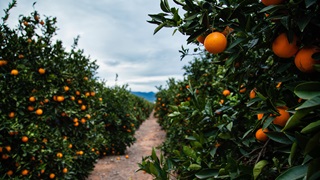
(150, 96)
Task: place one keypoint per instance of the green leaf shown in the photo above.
(189, 152)
(293, 173)
(213, 151)
(159, 27)
(313, 103)
(165, 6)
(258, 168)
(292, 152)
(303, 21)
(294, 120)
(236, 42)
(207, 173)
(307, 90)
(194, 167)
(312, 127)
(310, 3)
(279, 137)
(313, 144)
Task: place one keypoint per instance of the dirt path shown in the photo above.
(118, 167)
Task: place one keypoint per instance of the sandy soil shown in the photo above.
(121, 168)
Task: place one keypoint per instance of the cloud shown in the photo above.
(117, 35)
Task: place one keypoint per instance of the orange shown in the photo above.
(42, 71)
(260, 116)
(54, 98)
(5, 156)
(42, 22)
(65, 170)
(304, 61)
(66, 88)
(221, 101)
(72, 98)
(261, 135)
(39, 111)
(78, 93)
(127, 156)
(87, 94)
(243, 89)
(24, 172)
(3, 62)
(83, 120)
(252, 94)
(8, 148)
(24, 139)
(283, 118)
(75, 120)
(215, 43)
(271, 2)
(52, 176)
(83, 107)
(32, 99)
(86, 78)
(14, 72)
(226, 92)
(201, 39)
(59, 155)
(92, 93)
(60, 98)
(76, 124)
(11, 115)
(100, 99)
(1, 149)
(21, 56)
(70, 146)
(283, 48)
(79, 101)
(9, 173)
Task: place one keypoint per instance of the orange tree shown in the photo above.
(52, 107)
(265, 67)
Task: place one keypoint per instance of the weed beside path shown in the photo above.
(121, 168)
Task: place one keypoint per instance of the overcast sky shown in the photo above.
(117, 35)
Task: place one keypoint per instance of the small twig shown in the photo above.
(262, 151)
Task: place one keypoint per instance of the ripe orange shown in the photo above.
(42, 22)
(92, 93)
(52, 176)
(76, 124)
(75, 120)
(100, 99)
(260, 116)
(271, 2)
(283, 118)
(304, 61)
(65, 170)
(261, 135)
(59, 155)
(127, 156)
(21, 56)
(215, 43)
(14, 72)
(87, 94)
(9, 173)
(24, 172)
(32, 99)
(86, 78)
(3, 62)
(83, 107)
(83, 120)
(226, 92)
(30, 108)
(79, 101)
(201, 39)
(72, 98)
(252, 94)
(24, 139)
(39, 111)
(243, 89)
(60, 98)
(11, 115)
(70, 146)
(66, 88)
(283, 48)
(8, 148)
(42, 71)
(78, 93)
